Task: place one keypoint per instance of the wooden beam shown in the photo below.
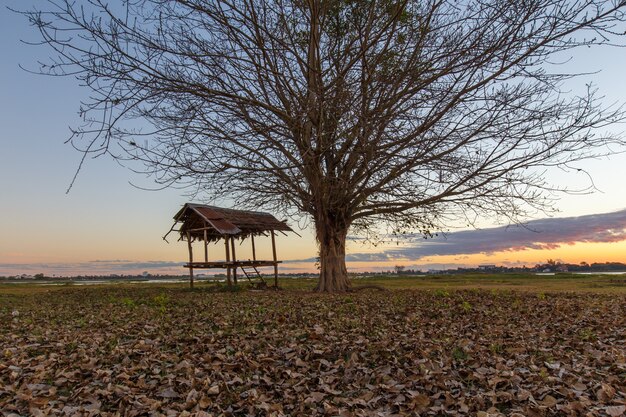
(224, 264)
(275, 263)
(232, 245)
(199, 229)
(206, 248)
(190, 259)
(228, 279)
(253, 248)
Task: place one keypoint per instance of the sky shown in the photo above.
(107, 225)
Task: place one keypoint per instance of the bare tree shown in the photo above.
(354, 112)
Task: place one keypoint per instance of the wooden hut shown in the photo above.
(208, 224)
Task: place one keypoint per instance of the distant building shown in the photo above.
(488, 267)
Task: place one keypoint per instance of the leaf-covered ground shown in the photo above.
(168, 351)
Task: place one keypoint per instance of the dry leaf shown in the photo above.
(548, 401)
(616, 410)
(168, 393)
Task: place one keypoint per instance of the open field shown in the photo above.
(514, 348)
(605, 283)
(601, 283)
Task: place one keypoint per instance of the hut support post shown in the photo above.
(206, 248)
(232, 245)
(275, 263)
(253, 248)
(228, 279)
(190, 260)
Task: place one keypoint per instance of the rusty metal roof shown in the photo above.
(220, 222)
(217, 220)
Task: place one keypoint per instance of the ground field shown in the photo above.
(600, 283)
(438, 350)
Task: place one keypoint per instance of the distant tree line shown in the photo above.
(549, 266)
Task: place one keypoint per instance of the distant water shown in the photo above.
(585, 273)
(130, 281)
(109, 281)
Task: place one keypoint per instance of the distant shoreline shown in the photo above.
(94, 280)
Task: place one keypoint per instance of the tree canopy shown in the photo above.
(409, 113)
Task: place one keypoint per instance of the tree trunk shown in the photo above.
(332, 250)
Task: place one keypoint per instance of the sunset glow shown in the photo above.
(109, 224)
(292, 248)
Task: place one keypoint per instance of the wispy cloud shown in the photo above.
(549, 233)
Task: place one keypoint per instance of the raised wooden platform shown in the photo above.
(229, 264)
